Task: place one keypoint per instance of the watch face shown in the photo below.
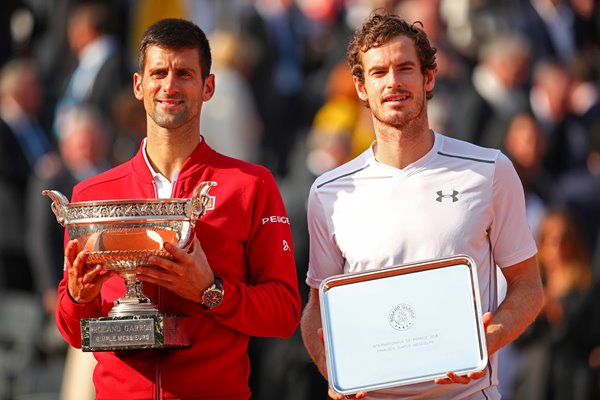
(212, 298)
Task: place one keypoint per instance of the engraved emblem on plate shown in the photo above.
(402, 317)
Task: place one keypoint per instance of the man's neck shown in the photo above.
(400, 149)
(167, 151)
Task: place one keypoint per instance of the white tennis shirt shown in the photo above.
(457, 199)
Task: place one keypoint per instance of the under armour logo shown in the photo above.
(441, 195)
(286, 246)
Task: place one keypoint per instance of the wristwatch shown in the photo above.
(213, 296)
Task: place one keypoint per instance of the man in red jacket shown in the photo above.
(242, 247)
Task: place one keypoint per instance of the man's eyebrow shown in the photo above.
(175, 68)
(406, 63)
(156, 67)
(182, 68)
(375, 67)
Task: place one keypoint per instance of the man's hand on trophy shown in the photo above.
(85, 280)
(187, 275)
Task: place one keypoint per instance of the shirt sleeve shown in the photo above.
(270, 304)
(510, 234)
(325, 258)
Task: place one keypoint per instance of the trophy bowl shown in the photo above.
(122, 234)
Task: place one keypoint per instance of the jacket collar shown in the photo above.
(196, 160)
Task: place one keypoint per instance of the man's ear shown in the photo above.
(360, 89)
(209, 87)
(137, 86)
(429, 80)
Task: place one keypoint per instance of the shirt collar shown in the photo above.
(164, 187)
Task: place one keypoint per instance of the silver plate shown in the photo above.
(402, 325)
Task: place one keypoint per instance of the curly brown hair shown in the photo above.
(379, 29)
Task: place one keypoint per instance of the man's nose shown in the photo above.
(394, 78)
(170, 82)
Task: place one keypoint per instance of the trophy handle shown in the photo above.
(59, 203)
(197, 204)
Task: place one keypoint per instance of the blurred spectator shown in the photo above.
(23, 143)
(587, 29)
(579, 191)
(21, 92)
(230, 122)
(100, 72)
(550, 102)
(83, 148)
(583, 104)
(341, 114)
(471, 23)
(129, 123)
(482, 110)
(555, 353)
(551, 26)
(283, 33)
(16, 28)
(584, 91)
(525, 145)
(50, 47)
(549, 94)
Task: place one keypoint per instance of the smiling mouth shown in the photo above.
(396, 97)
(170, 102)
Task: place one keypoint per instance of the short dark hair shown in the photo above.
(379, 29)
(174, 33)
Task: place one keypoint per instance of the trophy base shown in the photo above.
(135, 332)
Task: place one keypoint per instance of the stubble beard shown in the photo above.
(404, 122)
(170, 121)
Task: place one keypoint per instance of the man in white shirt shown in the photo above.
(417, 195)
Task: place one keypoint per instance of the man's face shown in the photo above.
(172, 88)
(394, 86)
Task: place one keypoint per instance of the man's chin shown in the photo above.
(172, 122)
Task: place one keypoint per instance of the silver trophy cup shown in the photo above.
(120, 235)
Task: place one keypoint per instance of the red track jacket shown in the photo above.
(247, 239)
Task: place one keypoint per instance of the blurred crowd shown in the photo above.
(519, 75)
